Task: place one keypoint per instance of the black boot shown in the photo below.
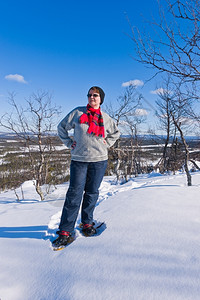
(62, 240)
(88, 229)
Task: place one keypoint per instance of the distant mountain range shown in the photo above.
(7, 135)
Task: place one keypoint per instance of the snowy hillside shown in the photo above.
(150, 249)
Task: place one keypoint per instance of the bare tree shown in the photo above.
(132, 123)
(163, 112)
(173, 109)
(123, 113)
(179, 108)
(34, 126)
(126, 104)
(174, 46)
(187, 153)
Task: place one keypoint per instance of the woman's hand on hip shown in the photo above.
(73, 145)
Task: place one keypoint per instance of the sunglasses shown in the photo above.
(94, 95)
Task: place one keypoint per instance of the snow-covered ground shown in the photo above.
(150, 249)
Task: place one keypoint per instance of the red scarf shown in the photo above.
(94, 119)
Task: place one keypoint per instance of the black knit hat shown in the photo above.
(101, 92)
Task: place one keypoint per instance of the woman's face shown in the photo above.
(94, 99)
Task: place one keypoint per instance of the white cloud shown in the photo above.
(16, 77)
(135, 82)
(160, 91)
(187, 121)
(141, 112)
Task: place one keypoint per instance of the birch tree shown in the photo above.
(171, 48)
(123, 112)
(33, 125)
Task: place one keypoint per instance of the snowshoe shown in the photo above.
(63, 240)
(88, 229)
(91, 230)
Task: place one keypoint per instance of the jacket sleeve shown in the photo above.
(113, 133)
(64, 127)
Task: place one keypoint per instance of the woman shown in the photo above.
(94, 133)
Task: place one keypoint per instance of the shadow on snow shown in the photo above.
(31, 232)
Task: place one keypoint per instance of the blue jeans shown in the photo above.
(85, 177)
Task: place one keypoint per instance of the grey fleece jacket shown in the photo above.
(89, 148)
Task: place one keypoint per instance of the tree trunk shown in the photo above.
(39, 190)
(187, 153)
(194, 163)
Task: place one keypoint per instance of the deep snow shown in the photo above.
(149, 250)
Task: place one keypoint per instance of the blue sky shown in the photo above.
(65, 47)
